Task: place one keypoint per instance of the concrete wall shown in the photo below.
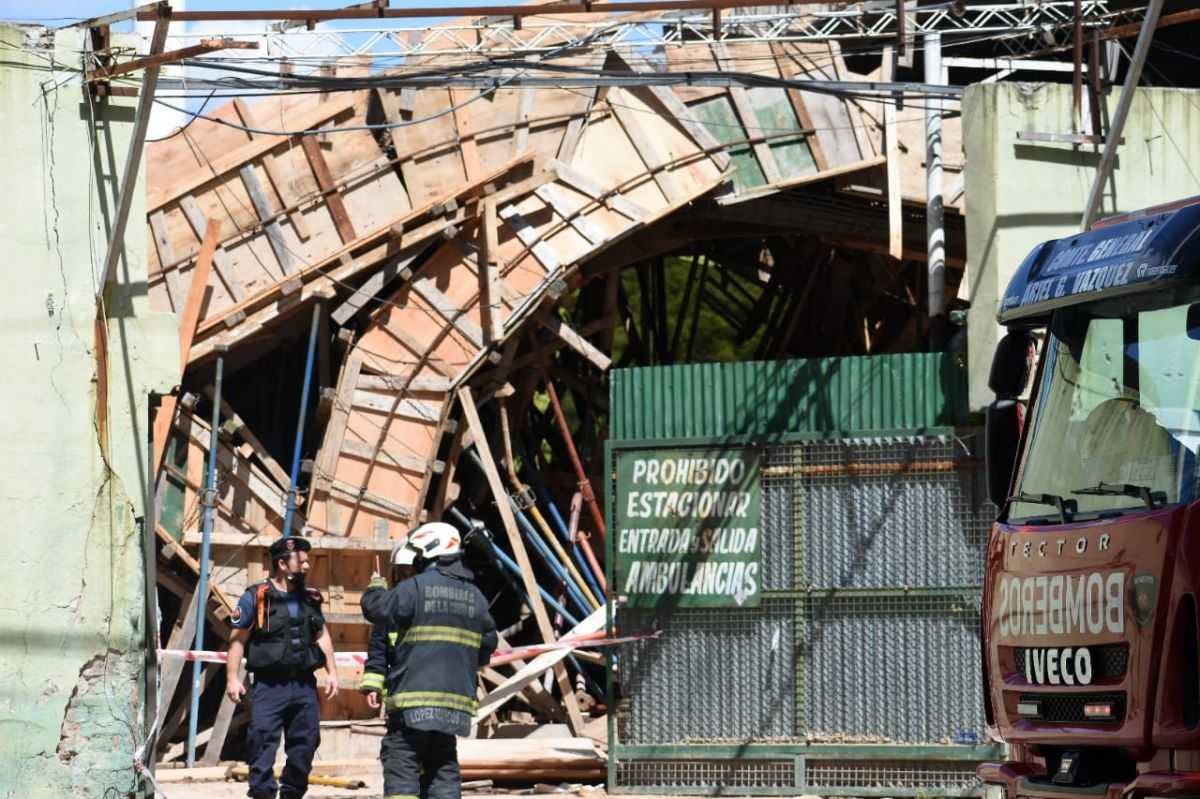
(72, 438)
(1019, 194)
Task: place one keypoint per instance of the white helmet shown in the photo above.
(429, 541)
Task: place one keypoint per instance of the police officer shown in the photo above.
(279, 626)
(444, 634)
(382, 644)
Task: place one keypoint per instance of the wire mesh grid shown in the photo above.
(702, 774)
(890, 774)
(780, 520)
(744, 656)
(892, 669)
(890, 513)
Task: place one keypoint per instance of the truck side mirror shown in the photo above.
(1011, 368)
(1193, 321)
(1001, 437)
(1012, 364)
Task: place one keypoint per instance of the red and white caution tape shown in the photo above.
(360, 658)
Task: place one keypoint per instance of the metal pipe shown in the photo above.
(209, 501)
(572, 540)
(290, 509)
(584, 544)
(563, 557)
(585, 485)
(548, 558)
(935, 229)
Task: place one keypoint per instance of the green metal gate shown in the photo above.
(857, 674)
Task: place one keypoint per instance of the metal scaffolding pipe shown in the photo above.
(209, 502)
(290, 509)
(585, 485)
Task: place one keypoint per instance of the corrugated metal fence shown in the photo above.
(858, 674)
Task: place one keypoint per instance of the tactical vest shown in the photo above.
(283, 643)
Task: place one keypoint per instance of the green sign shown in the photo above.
(689, 524)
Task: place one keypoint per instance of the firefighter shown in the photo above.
(279, 626)
(444, 634)
(381, 647)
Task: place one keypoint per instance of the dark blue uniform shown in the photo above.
(444, 633)
(282, 654)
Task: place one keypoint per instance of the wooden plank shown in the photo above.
(488, 273)
(575, 341)
(190, 316)
(466, 137)
(409, 463)
(221, 265)
(166, 255)
(762, 150)
(536, 667)
(208, 45)
(467, 402)
(406, 408)
(333, 198)
(372, 501)
(552, 196)
(645, 146)
(262, 207)
(611, 198)
(182, 637)
(426, 288)
(238, 426)
(194, 565)
(404, 383)
(335, 431)
(521, 133)
(161, 195)
(579, 120)
(801, 110)
(371, 287)
(529, 236)
(377, 238)
(677, 110)
(271, 165)
(220, 727)
(332, 543)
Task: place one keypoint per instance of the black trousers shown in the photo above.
(290, 707)
(419, 764)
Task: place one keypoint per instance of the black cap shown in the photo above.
(285, 546)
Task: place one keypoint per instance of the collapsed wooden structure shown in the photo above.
(465, 252)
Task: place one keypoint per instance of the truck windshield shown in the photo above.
(1119, 405)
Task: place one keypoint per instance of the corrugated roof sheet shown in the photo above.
(826, 395)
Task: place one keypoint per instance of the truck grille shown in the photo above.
(1069, 707)
(1109, 662)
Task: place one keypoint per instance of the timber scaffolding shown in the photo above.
(465, 256)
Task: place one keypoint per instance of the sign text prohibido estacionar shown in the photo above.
(689, 527)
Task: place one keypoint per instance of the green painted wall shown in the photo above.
(72, 596)
(1019, 194)
(770, 398)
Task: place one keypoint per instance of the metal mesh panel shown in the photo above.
(706, 773)
(891, 513)
(780, 522)
(897, 669)
(890, 774)
(715, 673)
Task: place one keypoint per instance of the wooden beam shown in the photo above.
(575, 341)
(800, 108)
(579, 119)
(426, 288)
(271, 166)
(182, 636)
(466, 137)
(372, 501)
(521, 125)
(220, 727)
(133, 156)
(609, 197)
(418, 410)
(170, 57)
(552, 196)
(333, 199)
(262, 207)
(541, 249)
(645, 147)
(754, 134)
(185, 556)
(238, 427)
(190, 317)
(166, 255)
(221, 265)
(404, 383)
(467, 402)
(159, 196)
(408, 463)
(335, 431)
(489, 274)
(399, 265)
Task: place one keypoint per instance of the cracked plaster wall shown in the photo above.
(1020, 193)
(72, 595)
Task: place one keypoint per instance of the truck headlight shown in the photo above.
(993, 791)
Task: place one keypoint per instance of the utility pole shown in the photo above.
(935, 229)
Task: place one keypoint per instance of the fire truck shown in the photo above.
(1091, 661)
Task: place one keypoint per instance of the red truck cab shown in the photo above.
(1091, 661)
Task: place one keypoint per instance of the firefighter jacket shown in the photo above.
(380, 654)
(444, 633)
(283, 639)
